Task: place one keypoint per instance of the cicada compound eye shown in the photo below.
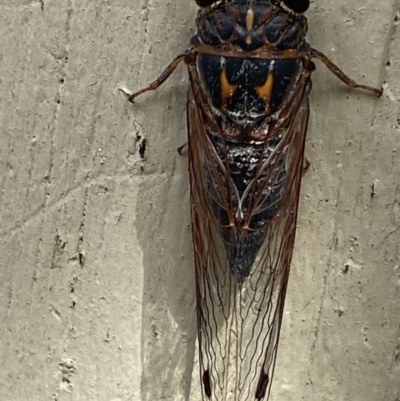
(298, 6)
(205, 3)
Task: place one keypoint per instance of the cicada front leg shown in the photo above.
(161, 79)
(341, 75)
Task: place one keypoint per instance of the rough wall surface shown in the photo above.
(96, 267)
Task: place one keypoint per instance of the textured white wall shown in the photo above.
(96, 269)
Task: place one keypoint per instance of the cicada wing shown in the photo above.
(214, 284)
(270, 273)
(239, 319)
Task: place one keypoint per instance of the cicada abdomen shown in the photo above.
(249, 67)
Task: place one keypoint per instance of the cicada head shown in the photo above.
(205, 3)
(297, 6)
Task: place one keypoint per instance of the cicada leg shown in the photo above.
(162, 78)
(180, 148)
(306, 164)
(341, 75)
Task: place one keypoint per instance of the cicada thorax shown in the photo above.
(246, 95)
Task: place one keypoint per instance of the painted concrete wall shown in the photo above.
(96, 268)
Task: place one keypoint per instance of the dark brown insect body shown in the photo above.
(249, 68)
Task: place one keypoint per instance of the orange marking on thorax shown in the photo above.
(249, 24)
(227, 89)
(249, 19)
(265, 91)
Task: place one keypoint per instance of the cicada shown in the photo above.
(249, 68)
